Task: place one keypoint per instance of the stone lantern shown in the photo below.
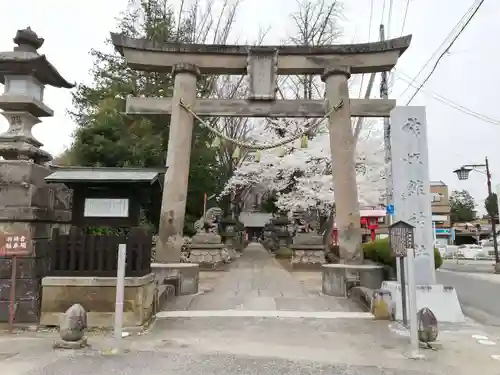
(231, 233)
(29, 207)
(281, 224)
(25, 73)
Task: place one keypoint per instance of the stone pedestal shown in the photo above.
(336, 276)
(333, 280)
(308, 251)
(28, 205)
(441, 300)
(370, 276)
(97, 296)
(188, 275)
(208, 251)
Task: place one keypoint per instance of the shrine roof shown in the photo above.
(103, 175)
(31, 63)
(122, 42)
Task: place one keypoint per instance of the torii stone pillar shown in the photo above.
(342, 147)
(173, 207)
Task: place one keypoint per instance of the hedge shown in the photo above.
(379, 251)
(284, 253)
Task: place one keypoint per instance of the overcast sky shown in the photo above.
(468, 75)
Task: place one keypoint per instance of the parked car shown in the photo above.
(471, 252)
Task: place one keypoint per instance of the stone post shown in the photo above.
(342, 146)
(173, 206)
(411, 185)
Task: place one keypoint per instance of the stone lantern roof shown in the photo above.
(25, 60)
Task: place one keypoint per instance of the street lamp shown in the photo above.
(463, 174)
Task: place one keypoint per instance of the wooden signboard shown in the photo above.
(15, 244)
(401, 238)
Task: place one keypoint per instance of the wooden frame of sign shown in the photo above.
(106, 205)
(109, 197)
(15, 244)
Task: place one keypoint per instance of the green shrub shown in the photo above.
(438, 261)
(284, 253)
(379, 251)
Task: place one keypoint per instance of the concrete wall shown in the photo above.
(442, 206)
(97, 296)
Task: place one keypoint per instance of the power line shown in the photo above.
(407, 6)
(480, 3)
(451, 103)
(388, 36)
(371, 19)
(389, 21)
(369, 38)
(443, 43)
(383, 13)
(407, 79)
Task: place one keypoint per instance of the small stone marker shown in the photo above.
(381, 307)
(427, 326)
(72, 328)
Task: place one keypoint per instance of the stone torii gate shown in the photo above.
(262, 64)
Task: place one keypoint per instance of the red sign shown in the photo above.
(15, 244)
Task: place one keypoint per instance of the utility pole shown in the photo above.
(384, 94)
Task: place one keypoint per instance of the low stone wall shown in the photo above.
(308, 251)
(97, 296)
(307, 256)
(209, 256)
(188, 275)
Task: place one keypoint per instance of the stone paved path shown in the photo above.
(257, 282)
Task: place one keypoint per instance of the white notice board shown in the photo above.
(106, 207)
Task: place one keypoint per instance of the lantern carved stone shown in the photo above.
(25, 73)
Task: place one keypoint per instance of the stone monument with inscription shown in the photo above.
(412, 204)
(29, 207)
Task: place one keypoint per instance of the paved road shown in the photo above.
(479, 294)
(149, 363)
(479, 266)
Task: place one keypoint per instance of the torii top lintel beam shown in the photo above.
(144, 54)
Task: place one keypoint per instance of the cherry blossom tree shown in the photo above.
(299, 177)
(299, 174)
